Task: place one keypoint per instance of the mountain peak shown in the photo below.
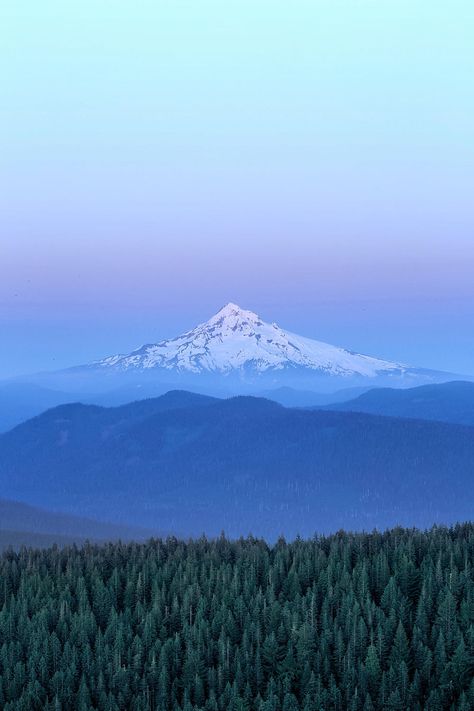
(231, 318)
(233, 313)
(237, 340)
(230, 307)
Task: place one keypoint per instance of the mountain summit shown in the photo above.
(235, 339)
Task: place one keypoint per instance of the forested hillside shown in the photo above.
(358, 622)
(26, 525)
(446, 402)
(188, 464)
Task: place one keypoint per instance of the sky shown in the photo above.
(312, 161)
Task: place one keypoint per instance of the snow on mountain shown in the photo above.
(238, 340)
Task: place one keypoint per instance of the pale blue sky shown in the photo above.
(311, 160)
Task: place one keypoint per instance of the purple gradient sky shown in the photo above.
(312, 165)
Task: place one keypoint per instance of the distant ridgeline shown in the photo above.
(358, 622)
(186, 464)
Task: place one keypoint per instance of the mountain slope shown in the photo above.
(447, 402)
(29, 525)
(28, 539)
(289, 397)
(237, 339)
(243, 464)
(20, 401)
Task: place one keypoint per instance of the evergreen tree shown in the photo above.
(362, 622)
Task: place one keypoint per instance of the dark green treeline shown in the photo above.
(358, 622)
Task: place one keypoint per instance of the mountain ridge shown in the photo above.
(443, 402)
(243, 465)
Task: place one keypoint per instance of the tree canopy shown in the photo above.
(349, 621)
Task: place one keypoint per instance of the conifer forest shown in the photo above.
(350, 621)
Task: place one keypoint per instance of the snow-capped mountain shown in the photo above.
(237, 340)
(234, 353)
